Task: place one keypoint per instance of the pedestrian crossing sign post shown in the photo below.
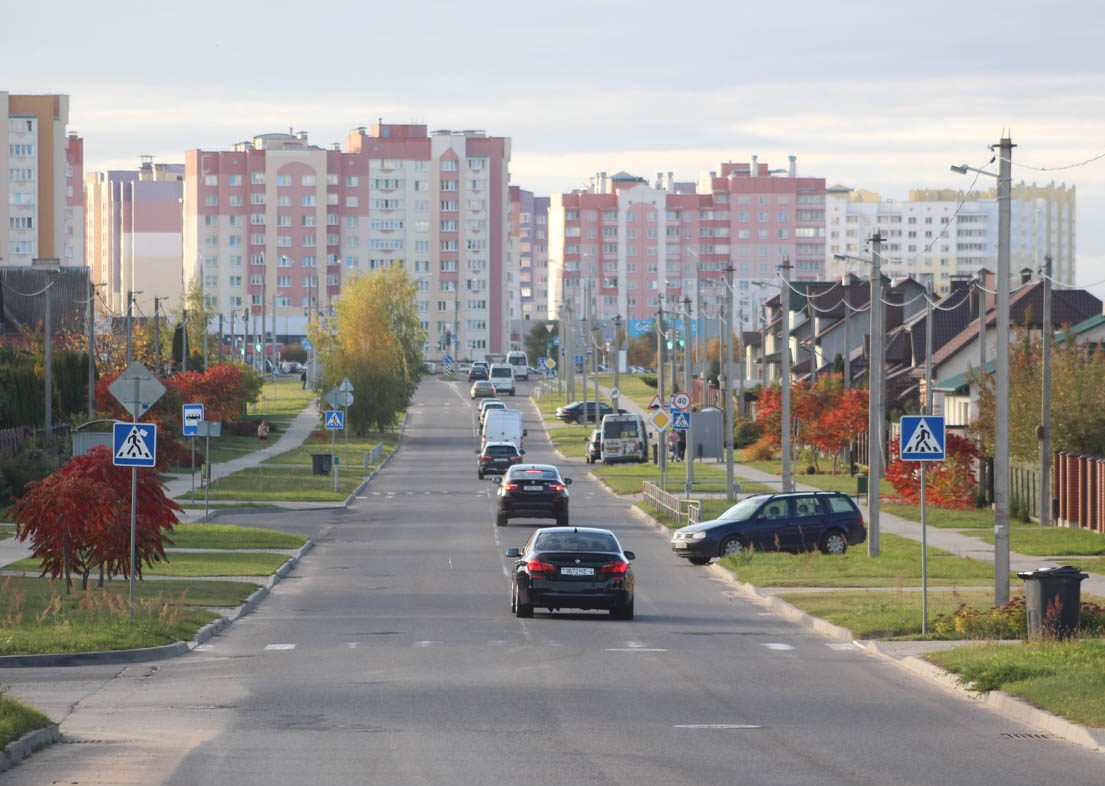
(681, 421)
(922, 438)
(134, 444)
(335, 419)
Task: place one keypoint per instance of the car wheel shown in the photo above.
(501, 520)
(521, 610)
(834, 542)
(733, 546)
(698, 560)
(623, 612)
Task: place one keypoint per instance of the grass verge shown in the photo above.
(898, 564)
(1050, 541)
(231, 536)
(1063, 677)
(192, 564)
(17, 719)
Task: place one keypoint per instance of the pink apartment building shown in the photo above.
(632, 243)
(529, 237)
(280, 222)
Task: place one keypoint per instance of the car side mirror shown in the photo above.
(567, 481)
(629, 555)
(512, 553)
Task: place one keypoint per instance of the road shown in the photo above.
(389, 656)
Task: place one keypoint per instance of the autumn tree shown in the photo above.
(948, 484)
(641, 350)
(1077, 399)
(377, 345)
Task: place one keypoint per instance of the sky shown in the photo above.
(877, 95)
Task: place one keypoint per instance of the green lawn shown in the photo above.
(881, 614)
(899, 564)
(570, 440)
(944, 518)
(630, 385)
(231, 536)
(17, 719)
(1063, 677)
(826, 481)
(192, 564)
(1049, 541)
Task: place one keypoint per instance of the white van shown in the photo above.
(624, 438)
(503, 425)
(502, 377)
(520, 363)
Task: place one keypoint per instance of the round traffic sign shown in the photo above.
(680, 401)
(613, 392)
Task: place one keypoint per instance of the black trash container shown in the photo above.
(320, 463)
(1053, 600)
(861, 484)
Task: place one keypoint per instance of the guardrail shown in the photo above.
(677, 508)
(373, 456)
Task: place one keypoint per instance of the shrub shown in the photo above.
(29, 464)
(761, 450)
(649, 379)
(745, 432)
(242, 428)
(1009, 621)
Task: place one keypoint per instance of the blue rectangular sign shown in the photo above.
(335, 419)
(190, 418)
(923, 438)
(134, 444)
(681, 421)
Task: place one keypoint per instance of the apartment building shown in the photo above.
(633, 245)
(529, 218)
(277, 224)
(134, 234)
(941, 234)
(41, 195)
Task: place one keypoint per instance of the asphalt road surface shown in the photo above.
(389, 656)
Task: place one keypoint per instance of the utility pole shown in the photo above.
(1001, 393)
(205, 327)
(742, 357)
(784, 303)
(617, 358)
(661, 436)
(157, 330)
(1045, 402)
(221, 357)
(688, 455)
(728, 391)
(130, 316)
(929, 330)
(567, 335)
(698, 323)
(184, 339)
(233, 332)
(91, 347)
(875, 369)
(847, 345)
(264, 314)
(48, 347)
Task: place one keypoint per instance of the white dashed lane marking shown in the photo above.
(778, 647)
(279, 646)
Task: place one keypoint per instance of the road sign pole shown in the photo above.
(194, 468)
(133, 507)
(924, 556)
(333, 464)
(206, 469)
(345, 431)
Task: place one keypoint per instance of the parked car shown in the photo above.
(496, 458)
(791, 521)
(624, 438)
(572, 568)
(534, 491)
(429, 366)
(477, 371)
(482, 389)
(579, 411)
(594, 446)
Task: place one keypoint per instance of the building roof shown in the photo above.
(1082, 327)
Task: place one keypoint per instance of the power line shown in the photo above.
(1088, 161)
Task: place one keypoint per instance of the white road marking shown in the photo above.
(498, 643)
(778, 647)
(361, 496)
(841, 646)
(351, 645)
(716, 726)
(428, 643)
(634, 644)
(634, 649)
(279, 646)
(553, 643)
(450, 563)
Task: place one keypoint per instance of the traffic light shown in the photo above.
(256, 347)
(682, 343)
(242, 350)
(670, 345)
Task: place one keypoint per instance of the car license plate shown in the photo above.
(680, 544)
(577, 571)
(533, 488)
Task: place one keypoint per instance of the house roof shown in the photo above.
(1084, 326)
(959, 383)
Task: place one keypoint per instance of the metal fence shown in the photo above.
(677, 508)
(373, 456)
(554, 386)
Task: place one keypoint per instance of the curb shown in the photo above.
(15, 752)
(165, 651)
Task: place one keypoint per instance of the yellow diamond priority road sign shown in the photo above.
(660, 419)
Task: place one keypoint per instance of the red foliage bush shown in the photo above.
(949, 484)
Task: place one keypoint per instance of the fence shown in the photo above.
(678, 509)
(11, 439)
(1078, 491)
(546, 388)
(373, 456)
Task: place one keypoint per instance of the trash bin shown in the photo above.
(1053, 600)
(861, 484)
(320, 463)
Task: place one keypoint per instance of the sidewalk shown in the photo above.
(305, 422)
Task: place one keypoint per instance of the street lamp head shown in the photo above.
(961, 169)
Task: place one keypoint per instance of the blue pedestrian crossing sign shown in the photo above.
(923, 438)
(680, 421)
(335, 419)
(134, 444)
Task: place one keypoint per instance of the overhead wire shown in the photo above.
(1088, 161)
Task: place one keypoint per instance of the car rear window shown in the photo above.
(502, 372)
(534, 474)
(620, 430)
(575, 541)
(840, 505)
(500, 450)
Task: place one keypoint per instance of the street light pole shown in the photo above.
(617, 359)
(1045, 402)
(130, 316)
(784, 302)
(1001, 361)
(875, 404)
(91, 347)
(661, 435)
(728, 390)
(50, 267)
(688, 455)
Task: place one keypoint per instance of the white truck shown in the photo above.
(503, 425)
(624, 438)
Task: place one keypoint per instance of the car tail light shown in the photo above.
(555, 487)
(485, 459)
(540, 566)
(618, 568)
(515, 459)
(511, 486)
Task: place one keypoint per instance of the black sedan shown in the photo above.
(792, 521)
(572, 568)
(478, 371)
(496, 458)
(581, 411)
(534, 491)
